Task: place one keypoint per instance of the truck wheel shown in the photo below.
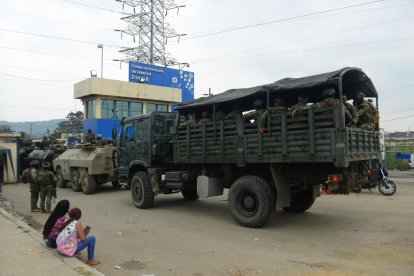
(88, 182)
(141, 190)
(190, 194)
(300, 201)
(61, 182)
(251, 201)
(75, 180)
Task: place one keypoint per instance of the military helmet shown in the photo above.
(257, 103)
(34, 163)
(328, 93)
(99, 137)
(278, 101)
(45, 164)
(360, 96)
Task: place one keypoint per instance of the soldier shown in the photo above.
(89, 137)
(328, 99)
(192, 120)
(234, 114)
(300, 105)
(220, 115)
(29, 176)
(205, 117)
(47, 183)
(368, 114)
(100, 141)
(353, 119)
(278, 106)
(258, 105)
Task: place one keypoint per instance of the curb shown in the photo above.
(75, 264)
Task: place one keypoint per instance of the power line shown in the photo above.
(399, 118)
(279, 20)
(20, 77)
(33, 107)
(60, 38)
(56, 19)
(304, 39)
(95, 7)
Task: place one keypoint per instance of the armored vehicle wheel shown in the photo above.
(251, 201)
(75, 180)
(61, 183)
(190, 194)
(300, 201)
(87, 181)
(141, 190)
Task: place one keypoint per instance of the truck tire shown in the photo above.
(61, 182)
(75, 180)
(300, 201)
(251, 201)
(87, 181)
(141, 190)
(190, 194)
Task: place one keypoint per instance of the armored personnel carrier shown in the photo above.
(86, 166)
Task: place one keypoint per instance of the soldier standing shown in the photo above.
(368, 114)
(301, 105)
(47, 183)
(30, 176)
(354, 116)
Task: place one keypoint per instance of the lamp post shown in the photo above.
(209, 93)
(101, 47)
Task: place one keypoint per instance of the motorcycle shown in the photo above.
(386, 186)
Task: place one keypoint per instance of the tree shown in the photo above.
(73, 125)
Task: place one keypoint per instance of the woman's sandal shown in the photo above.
(93, 262)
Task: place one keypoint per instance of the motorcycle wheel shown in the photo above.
(387, 187)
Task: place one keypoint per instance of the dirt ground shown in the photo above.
(357, 234)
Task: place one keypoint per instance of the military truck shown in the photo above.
(282, 167)
(86, 166)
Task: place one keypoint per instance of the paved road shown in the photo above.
(365, 234)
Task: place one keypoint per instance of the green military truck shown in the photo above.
(284, 166)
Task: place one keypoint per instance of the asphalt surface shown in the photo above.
(357, 234)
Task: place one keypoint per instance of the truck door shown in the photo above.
(127, 151)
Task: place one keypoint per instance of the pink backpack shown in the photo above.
(67, 246)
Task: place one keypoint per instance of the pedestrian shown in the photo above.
(30, 176)
(72, 238)
(54, 222)
(47, 183)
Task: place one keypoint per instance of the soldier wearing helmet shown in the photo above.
(30, 176)
(47, 182)
(368, 113)
(234, 114)
(328, 98)
(278, 106)
(258, 106)
(352, 120)
(89, 137)
(205, 117)
(301, 105)
(100, 141)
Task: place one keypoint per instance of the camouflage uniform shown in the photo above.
(354, 116)
(47, 182)
(277, 107)
(324, 103)
(89, 137)
(300, 106)
(192, 121)
(205, 117)
(367, 116)
(29, 176)
(99, 141)
(220, 115)
(258, 105)
(234, 114)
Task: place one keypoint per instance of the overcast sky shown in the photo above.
(48, 45)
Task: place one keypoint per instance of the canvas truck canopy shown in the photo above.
(347, 81)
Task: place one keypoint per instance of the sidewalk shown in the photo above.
(22, 252)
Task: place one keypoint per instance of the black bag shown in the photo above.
(52, 242)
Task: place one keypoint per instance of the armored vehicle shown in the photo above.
(86, 166)
(283, 166)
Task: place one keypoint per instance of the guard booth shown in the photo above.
(107, 101)
(9, 148)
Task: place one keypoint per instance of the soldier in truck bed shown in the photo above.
(258, 105)
(353, 120)
(192, 120)
(301, 105)
(278, 106)
(368, 114)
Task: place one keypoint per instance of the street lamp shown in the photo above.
(101, 47)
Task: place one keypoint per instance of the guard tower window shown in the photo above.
(107, 109)
(156, 107)
(90, 109)
(136, 109)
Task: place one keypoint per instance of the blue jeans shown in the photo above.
(90, 243)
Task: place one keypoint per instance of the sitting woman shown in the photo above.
(54, 222)
(72, 238)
